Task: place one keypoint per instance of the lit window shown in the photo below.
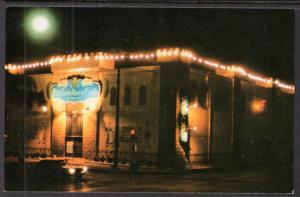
(127, 96)
(142, 95)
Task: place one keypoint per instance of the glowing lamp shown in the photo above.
(258, 106)
(84, 169)
(132, 134)
(72, 171)
(44, 108)
(40, 24)
(195, 105)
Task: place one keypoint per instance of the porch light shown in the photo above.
(195, 105)
(72, 171)
(84, 169)
(258, 106)
(44, 108)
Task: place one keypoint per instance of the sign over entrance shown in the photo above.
(75, 90)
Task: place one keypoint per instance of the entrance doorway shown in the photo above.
(73, 146)
(73, 139)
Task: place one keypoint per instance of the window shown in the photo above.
(142, 95)
(109, 136)
(113, 96)
(127, 96)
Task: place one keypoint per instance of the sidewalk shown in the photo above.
(108, 167)
(122, 168)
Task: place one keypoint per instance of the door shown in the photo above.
(73, 147)
(73, 140)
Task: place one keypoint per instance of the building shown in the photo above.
(172, 106)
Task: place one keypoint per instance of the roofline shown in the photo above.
(163, 55)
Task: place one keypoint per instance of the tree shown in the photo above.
(20, 95)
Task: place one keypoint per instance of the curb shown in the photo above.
(107, 167)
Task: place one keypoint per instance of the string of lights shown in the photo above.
(167, 54)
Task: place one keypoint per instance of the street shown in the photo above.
(247, 180)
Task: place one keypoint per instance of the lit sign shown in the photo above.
(70, 147)
(183, 119)
(75, 90)
(183, 134)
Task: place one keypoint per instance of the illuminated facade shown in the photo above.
(184, 109)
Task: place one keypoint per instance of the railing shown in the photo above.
(149, 159)
(37, 152)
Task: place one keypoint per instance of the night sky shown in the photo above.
(263, 40)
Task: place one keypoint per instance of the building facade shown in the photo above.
(169, 107)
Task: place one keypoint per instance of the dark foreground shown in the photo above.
(243, 180)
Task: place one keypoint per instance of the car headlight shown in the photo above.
(72, 171)
(84, 169)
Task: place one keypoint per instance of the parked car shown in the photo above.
(57, 169)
